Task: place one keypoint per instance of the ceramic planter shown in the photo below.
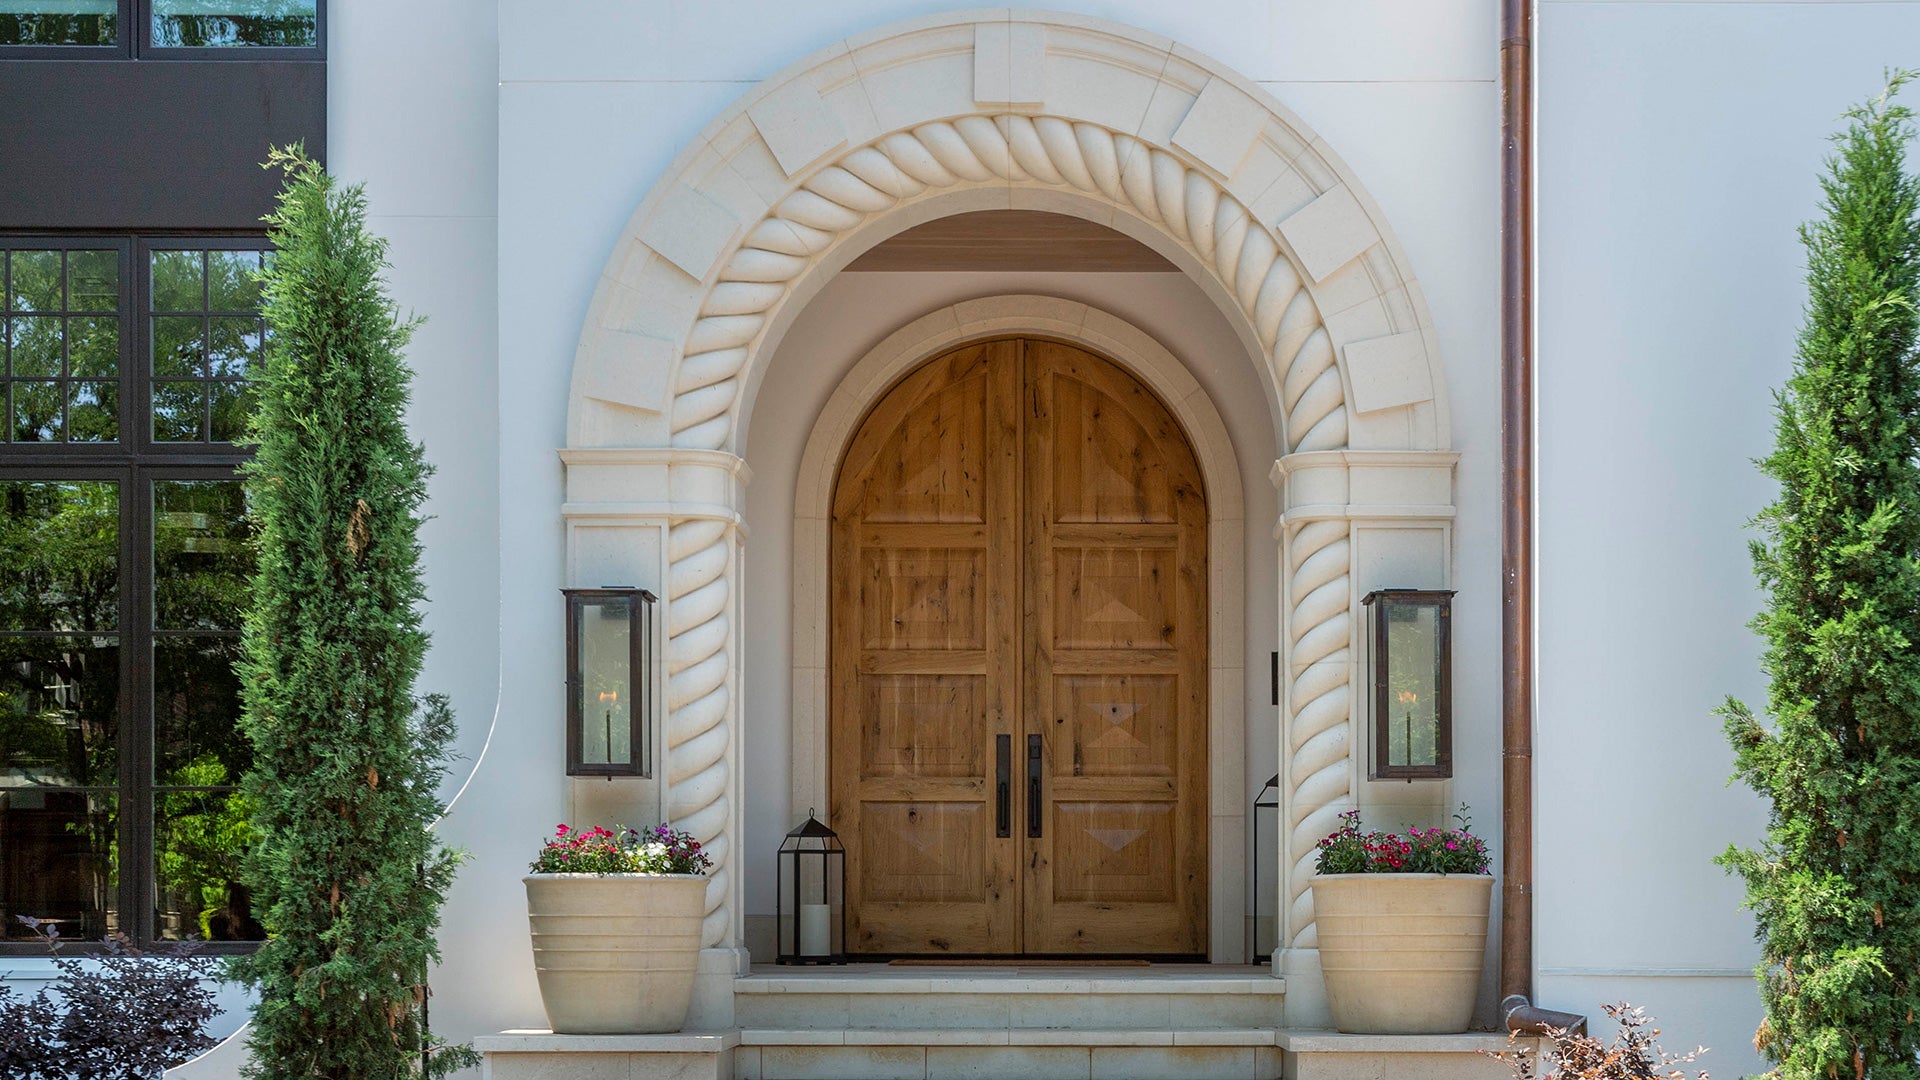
(616, 954)
(1402, 953)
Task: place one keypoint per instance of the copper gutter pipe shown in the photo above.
(1516, 528)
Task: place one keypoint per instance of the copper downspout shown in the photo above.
(1516, 527)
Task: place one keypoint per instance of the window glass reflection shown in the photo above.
(199, 840)
(59, 711)
(197, 738)
(59, 862)
(58, 375)
(59, 22)
(201, 556)
(60, 547)
(219, 23)
(201, 356)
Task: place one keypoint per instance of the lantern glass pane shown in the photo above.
(1413, 683)
(606, 681)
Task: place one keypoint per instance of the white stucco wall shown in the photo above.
(588, 122)
(1679, 145)
(411, 114)
(1678, 148)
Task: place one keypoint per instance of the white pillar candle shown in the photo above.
(816, 930)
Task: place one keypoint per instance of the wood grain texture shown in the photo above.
(1012, 240)
(1019, 549)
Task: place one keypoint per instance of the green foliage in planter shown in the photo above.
(346, 871)
(1835, 886)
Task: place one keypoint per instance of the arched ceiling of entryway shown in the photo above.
(986, 109)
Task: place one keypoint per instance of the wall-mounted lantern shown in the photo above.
(1412, 684)
(609, 692)
(811, 896)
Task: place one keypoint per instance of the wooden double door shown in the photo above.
(1018, 731)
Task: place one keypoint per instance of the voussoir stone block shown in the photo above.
(627, 369)
(689, 230)
(1009, 64)
(1329, 232)
(1220, 127)
(1388, 372)
(798, 127)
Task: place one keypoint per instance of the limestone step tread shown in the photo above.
(1334, 1042)
(1006, 1037)
(1000, 981)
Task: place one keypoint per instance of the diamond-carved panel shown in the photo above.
(1113, 852)
(922, 598)
(1106, 467)
(1118, 725)
(923, 852)
(921, 725)
(1113, 598)
(930, 468)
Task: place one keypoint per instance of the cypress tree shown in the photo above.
(347, 873)
(1835, 885)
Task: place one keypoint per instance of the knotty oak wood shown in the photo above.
(1116, 675)
(1019, 549)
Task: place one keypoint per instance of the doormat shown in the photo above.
(1014, 961)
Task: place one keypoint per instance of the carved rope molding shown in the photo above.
(1038, 151)
(699, 586)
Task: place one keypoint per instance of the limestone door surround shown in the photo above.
(984, 109)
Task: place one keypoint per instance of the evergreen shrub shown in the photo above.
(1835, 884)
(346, 871)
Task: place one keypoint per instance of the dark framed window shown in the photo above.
(124, 568)
(161, 29)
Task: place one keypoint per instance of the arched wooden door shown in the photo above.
(1019, 695)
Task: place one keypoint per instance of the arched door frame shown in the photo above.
(1147, 360)
(1015, 107)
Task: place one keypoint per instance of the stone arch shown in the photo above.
(1022, 107)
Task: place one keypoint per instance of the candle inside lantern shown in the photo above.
(816, 930)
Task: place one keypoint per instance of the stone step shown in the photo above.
(1327, 1055)
(1007, 1054)
(1030, 1053)
(973, 1000)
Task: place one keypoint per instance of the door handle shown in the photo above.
(1003, 785)
(1033, 785)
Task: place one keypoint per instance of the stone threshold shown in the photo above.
(1334, 1042)
(1006, 1037)
(541, 1041)
(884, 979)
(530, 1041)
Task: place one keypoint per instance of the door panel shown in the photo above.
(924, 659)
(1115, 552)
(1019, 554)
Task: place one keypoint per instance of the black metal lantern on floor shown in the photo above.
(1412, 664)
(1268, 799)
(609, 661)
(812, 910)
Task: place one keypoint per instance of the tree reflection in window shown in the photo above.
(223, 23)
(59, 702)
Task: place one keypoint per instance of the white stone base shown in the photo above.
(1326, 1055)
(542, 1055)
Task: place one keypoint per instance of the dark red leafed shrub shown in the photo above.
(118, 1014)
(1633, 1054)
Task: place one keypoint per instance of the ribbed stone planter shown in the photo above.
(616, 955)
(1402, 953)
